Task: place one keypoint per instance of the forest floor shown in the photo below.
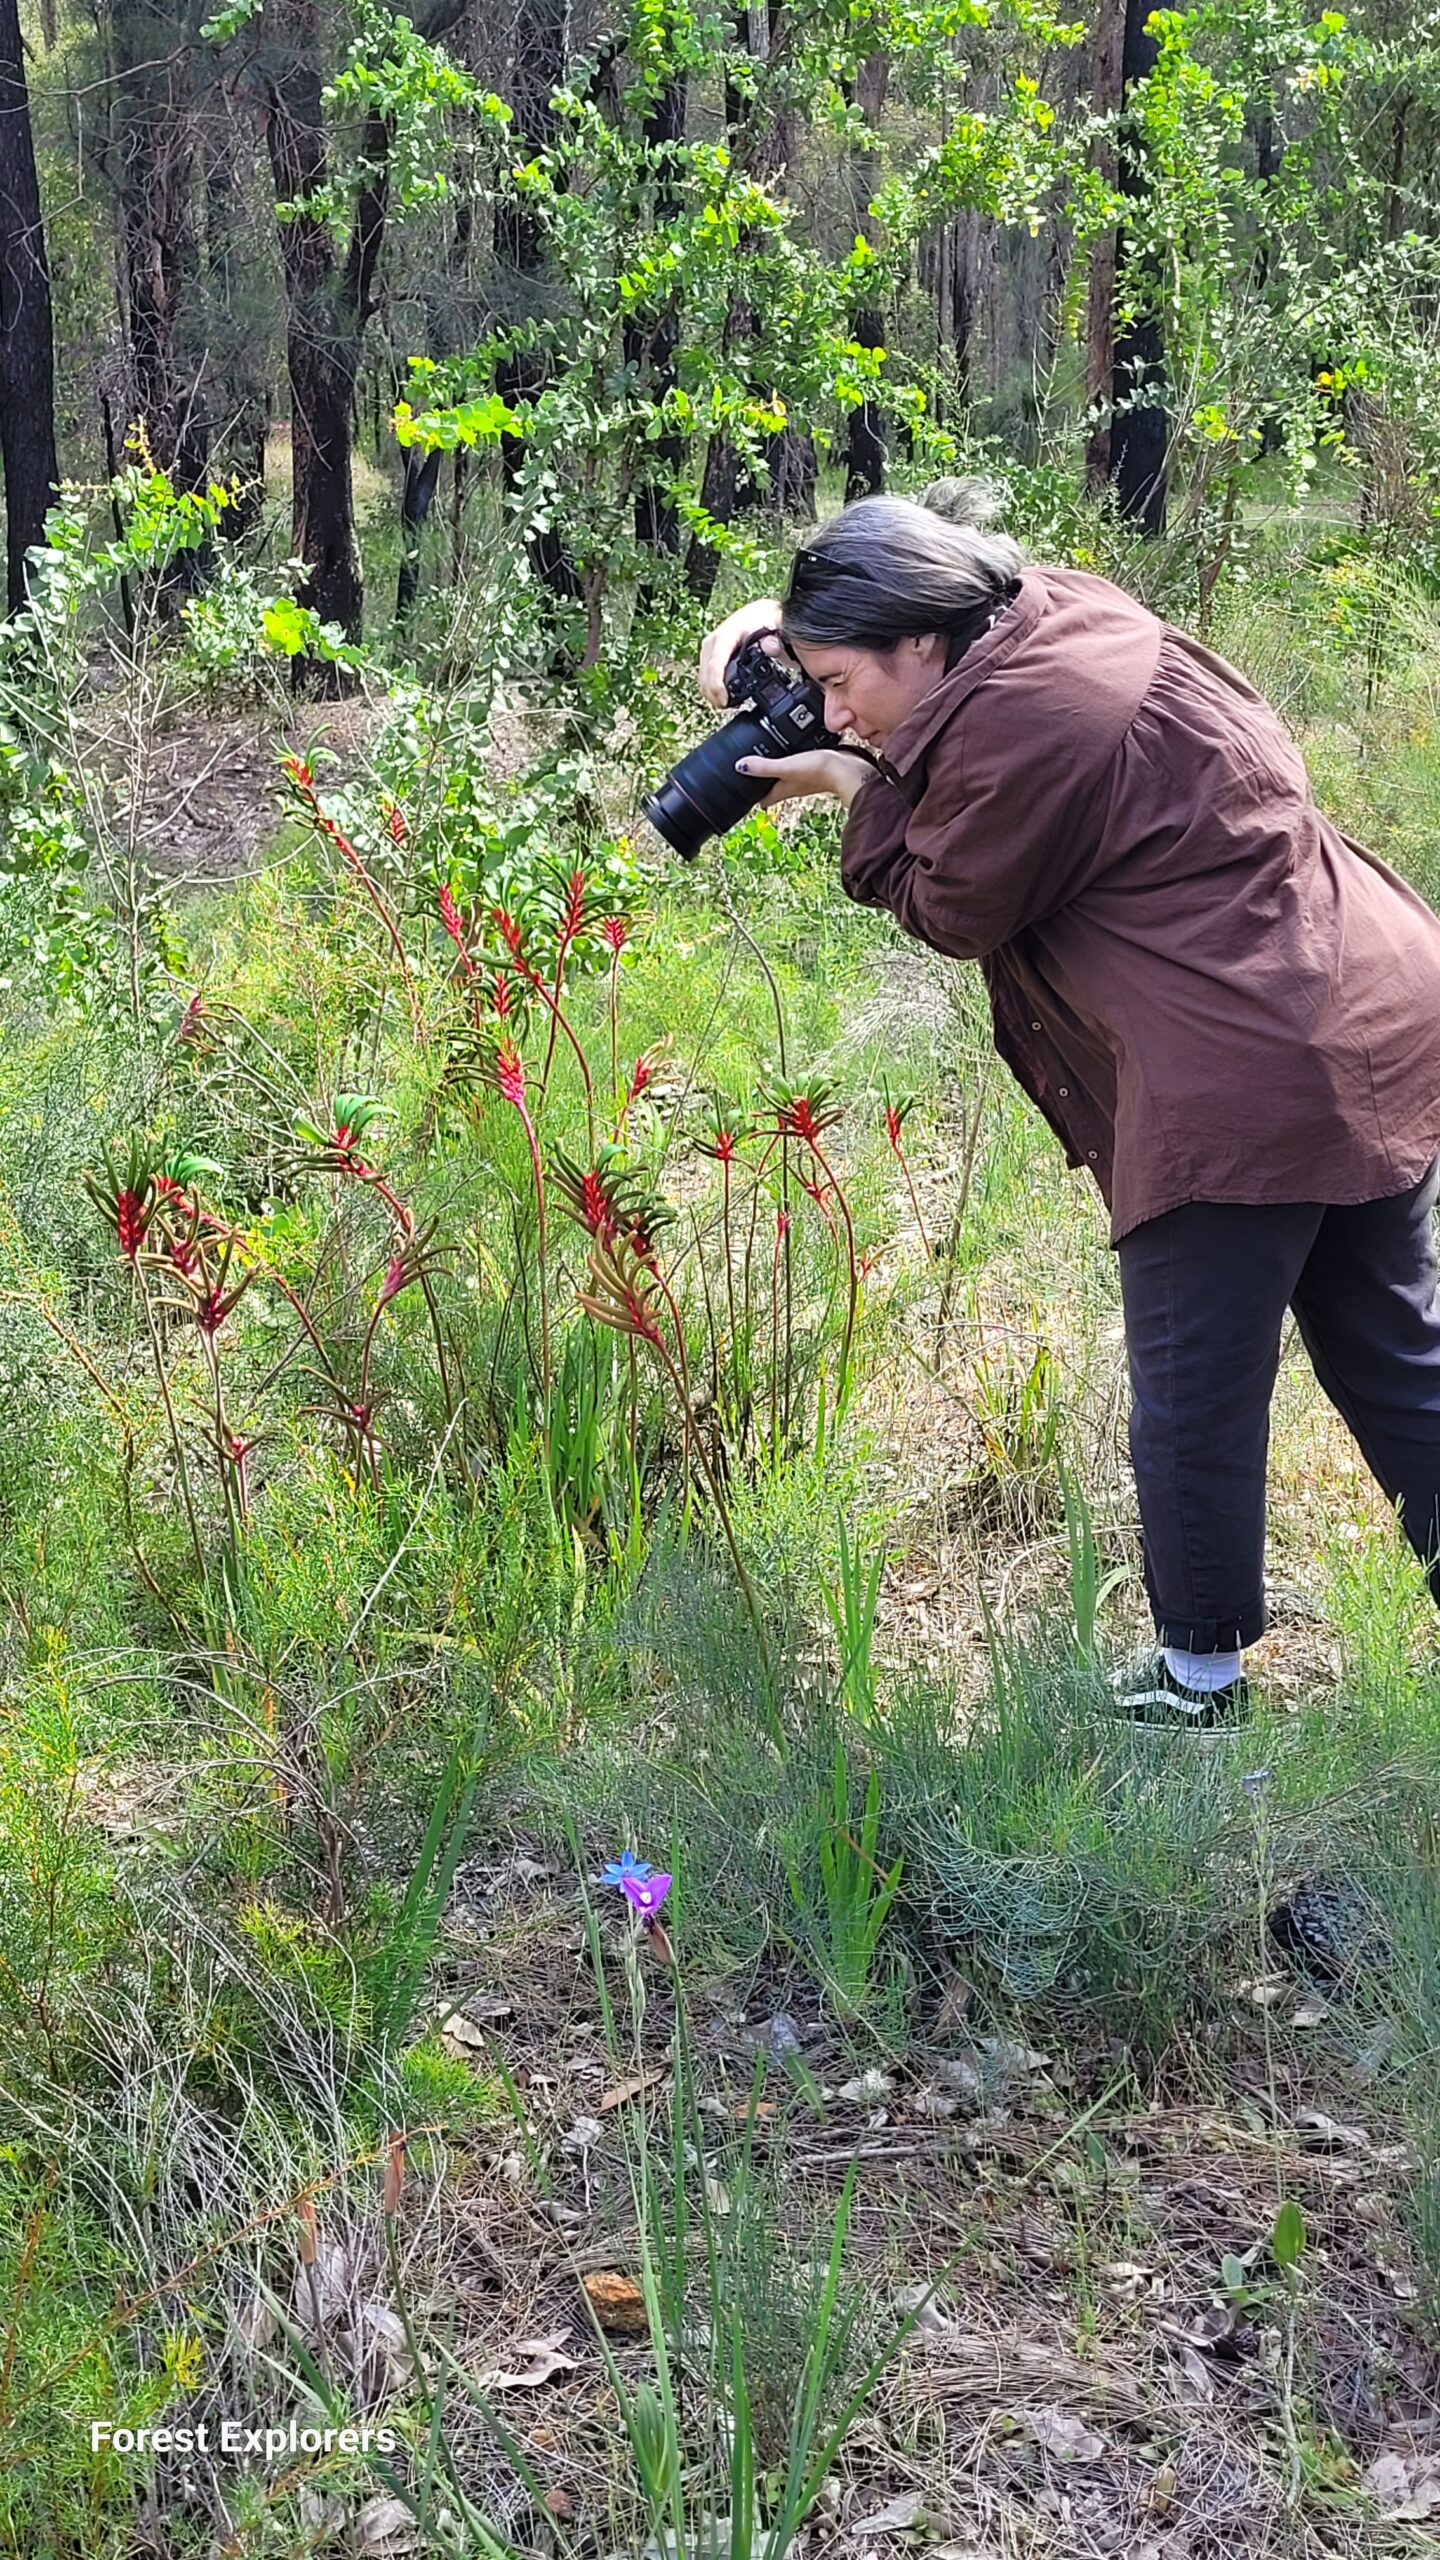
(1068, 2184)
(1079, 2379)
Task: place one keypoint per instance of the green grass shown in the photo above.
(233, 1804)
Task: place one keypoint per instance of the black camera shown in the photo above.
(779, 714)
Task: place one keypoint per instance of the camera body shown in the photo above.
(778, 714)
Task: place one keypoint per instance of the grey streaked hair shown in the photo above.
(888, 569)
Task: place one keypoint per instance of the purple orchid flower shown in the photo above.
(645, 1894)
(625, 1869)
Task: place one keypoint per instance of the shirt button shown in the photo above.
(1094, 1155)
(1064, 1092)
(1037, 1026)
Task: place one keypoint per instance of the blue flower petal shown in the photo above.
(627, 1864)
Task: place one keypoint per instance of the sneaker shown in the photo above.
(1328, 1930)
(1149, 1693)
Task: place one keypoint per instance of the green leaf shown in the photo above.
(286, 625)
(1287, 2240)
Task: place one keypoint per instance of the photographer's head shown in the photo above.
(888, 593)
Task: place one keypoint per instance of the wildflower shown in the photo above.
(612, 1201)
(645, 1894)
(213, 1305)
(572, 911)
(336, 1148)
(454, 924)
(191, 1024)
(1256, 1782)
(898, 1108)
(622, 1291)
(725, 1131)
(642, 1075)
(417, 1257)
(595, 1209)
(615, 932)
(510, 934)
(616, 1870)
(235, 1453)
(128, 1200)
(130, 1223)
(803, 1111)
(395, 821)
(510, 1072)
(300, 774)
(504, 997)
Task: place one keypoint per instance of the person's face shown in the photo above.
(870, 691)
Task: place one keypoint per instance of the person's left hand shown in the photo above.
(819, 772)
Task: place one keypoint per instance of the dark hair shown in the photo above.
(889, 569)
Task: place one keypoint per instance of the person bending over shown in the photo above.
(1226, 1010)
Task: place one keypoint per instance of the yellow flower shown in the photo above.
(183, 2357)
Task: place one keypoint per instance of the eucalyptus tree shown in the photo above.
(27, 353)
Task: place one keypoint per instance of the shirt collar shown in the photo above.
(907, 744)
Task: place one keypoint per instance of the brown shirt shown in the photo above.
(1208, 990)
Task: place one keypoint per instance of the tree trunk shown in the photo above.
(153, 159)
(1140, 431)
(417, 497)
(1267, 168)
(1124, 373)
(720, 480)
(327, 306)
(865, 454)
(27, 354)
(241, 399)
(1106, 95)
(651, 341)
(964, 299)
(519, 246)
(760, 144)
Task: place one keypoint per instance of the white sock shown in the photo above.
(1204, 1671)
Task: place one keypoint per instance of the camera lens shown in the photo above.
(704, 795)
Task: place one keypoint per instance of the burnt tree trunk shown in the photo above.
(27, 352)
(1106, 95)
(329, 302)
(417, 497)
(791, 462)
(520, 248)
(761, 138)
(1268, 158)
(651, 341)
(1140, 432)
(241, 394)
(865, 454)
(152, 158)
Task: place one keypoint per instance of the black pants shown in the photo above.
(1205, 1291)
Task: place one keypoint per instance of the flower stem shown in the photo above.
(541, 1256)
(176, 1442)
(914, 1203)
(853, 1268)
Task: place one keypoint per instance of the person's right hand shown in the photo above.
(726, 638)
